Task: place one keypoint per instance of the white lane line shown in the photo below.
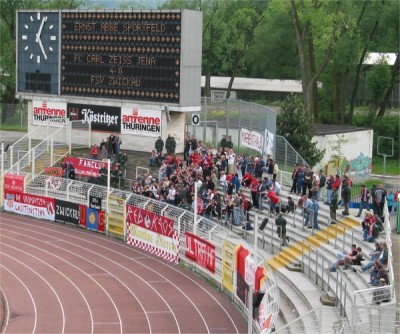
(30, 295)
(45, 281)
(102, 242)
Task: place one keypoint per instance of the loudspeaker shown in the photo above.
(263, 224)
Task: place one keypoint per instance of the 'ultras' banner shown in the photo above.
(30, 205)
(200, 251)
(102, 118)
(67, 212)
(141, 122)
(251, 139)
(86, 167)
(46, 112)
(152, 233)
(13, 183)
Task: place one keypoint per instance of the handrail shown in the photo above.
(53, 135)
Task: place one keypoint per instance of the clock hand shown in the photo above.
(42, 48)
(40, 29)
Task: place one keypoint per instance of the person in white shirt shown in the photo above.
(172, 194)
(276, 187)
(231, 161)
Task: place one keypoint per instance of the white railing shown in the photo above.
(80, 192)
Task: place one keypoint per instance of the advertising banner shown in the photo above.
(30, 205)
(251, 139)
(95, 202)
(14, 183)
(95, 219)
(242, 288)
(152, 233)
(228, 265)
(250, 270)
(86, 167)
(67, 212)
(141, 122)
(47, 112)
(200, 251)
(103, 118)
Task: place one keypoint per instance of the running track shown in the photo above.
(57, 278)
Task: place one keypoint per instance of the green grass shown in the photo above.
(392, 165)
(6, 127)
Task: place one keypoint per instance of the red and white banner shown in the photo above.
(30, 205)
(152, 233)
(251, 139)
(86, 167)
(46, 112)
(141, 122)
(14, 183)
(200, 251)
(250, 270)
(53, 171)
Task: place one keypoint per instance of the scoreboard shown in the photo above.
(150, 56)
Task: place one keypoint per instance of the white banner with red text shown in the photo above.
(152, 233)
(30, 205)
(200, 251)
(140, 122)
(47, 112)
(251, 139)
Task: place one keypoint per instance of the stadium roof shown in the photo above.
(252, 84)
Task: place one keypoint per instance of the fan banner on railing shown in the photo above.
(152, 233)
(228, 265)
(242, 288)
(251, 139)
(268, 142)
(200, 251)
(86, 167)
(67, 212)
(14, 183)
(95, 219)
(30, 205)
(49, 113)
(53, 171)
(140, 122)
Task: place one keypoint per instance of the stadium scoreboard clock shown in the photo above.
(151, 56)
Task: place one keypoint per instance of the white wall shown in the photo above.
(355, 145)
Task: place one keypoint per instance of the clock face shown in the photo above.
(39, 37)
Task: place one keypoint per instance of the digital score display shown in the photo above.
(121, 55)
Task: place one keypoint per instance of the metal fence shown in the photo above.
(226, 117)
(14, 115)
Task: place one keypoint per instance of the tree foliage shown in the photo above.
(292, 123)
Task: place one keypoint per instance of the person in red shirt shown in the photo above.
(273, 199)
(94, 152)
(247, 180)
(337, 182)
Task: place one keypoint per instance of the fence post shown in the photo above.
(33, 162)
(240, 123)
(2, 176)
(286, 162)
(52, 151)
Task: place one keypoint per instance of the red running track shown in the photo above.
(57, 278)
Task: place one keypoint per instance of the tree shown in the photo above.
(317, 26)
(292, 123)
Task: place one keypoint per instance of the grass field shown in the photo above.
(392, 166)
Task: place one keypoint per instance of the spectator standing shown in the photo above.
(294, 179)
(275, 170)
(315, 208)
(168, 144)
(364, 200)
(314, 187)
(300, 179)
(329, 189)
(346, 197)
(118, 143)
(94, 152)
(390, 201)
(334, 202)
(321, 185)
(307, 205)
(231, 161)
(281, 228)
(159, 145)
(307, 181)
